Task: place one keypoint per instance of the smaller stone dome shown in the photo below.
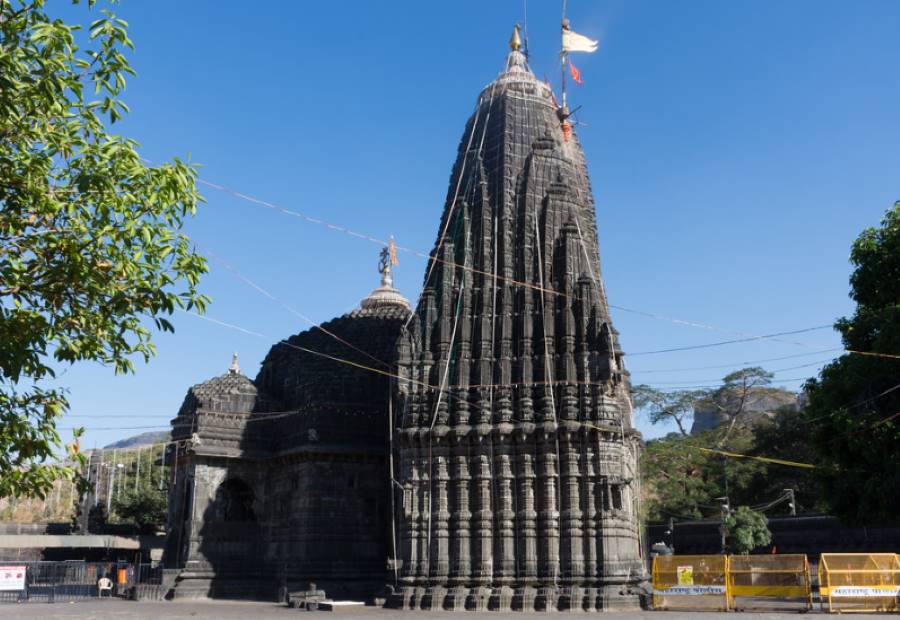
(231, 392)
(385, 296)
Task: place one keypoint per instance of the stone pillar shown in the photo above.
(460, 517)
(440, 561)
(548, 523)
(436, 591)
(526, 520)
(426, 516)
(504, 544)
(571, 542)
(601, 509)
(482, 527)
(589, 520)
(409, 516)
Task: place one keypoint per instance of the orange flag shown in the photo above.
(576, 74)
(394, 260)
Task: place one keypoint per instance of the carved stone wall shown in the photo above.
(285, 480)
(517, 452)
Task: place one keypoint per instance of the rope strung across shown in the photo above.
(435, 259)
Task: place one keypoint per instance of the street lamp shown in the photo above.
(109, 487)
(791, 503)
(119, 466)
(726, 509)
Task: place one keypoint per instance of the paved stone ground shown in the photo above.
(196, 610)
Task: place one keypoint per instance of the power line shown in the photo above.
(737, 364)
(232, 270)
(857, 404)
(772, 460)
(719, 384)
(434, 258)
(447, 388)
(724, 342)
(115, 428)
(677, 321)
(236, 273)
(719, 379)
(766, 459)
(118, 415)
(873, 354)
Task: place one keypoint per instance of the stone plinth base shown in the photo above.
(456, 598)
(609, 597)
(434, 598)
(478, 599)
(201, 585)
(501, 599)
(570, 598)
(523, 599)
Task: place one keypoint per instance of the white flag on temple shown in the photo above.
(574, 42)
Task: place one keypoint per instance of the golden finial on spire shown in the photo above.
(515, 43)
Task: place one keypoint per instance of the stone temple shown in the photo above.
(475, 453)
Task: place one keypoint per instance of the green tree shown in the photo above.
(746, 529)
(734, 399)
(854, 406)
(678, 480)
(786, 436)
(661, 406)
(90, 254)
(145, 506)
(684, 477)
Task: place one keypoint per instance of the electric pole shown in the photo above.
(726, 510)
(791, 503)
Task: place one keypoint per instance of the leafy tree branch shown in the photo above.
(90, 248)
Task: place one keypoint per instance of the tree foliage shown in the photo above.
(684, 475)
(746, 529)
(786, 437)
(90, 254)
(854, 404)
(684, 479)
(145, 506)
(676, 406)
(735, 397)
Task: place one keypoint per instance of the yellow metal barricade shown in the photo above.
(690, 582)
(769, 582)
(859, 582)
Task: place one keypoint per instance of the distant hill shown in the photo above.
(762, 404)
(143, 439)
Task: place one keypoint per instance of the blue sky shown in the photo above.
(735, 149)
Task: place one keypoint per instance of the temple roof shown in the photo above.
(323, 366)
(518, 223)
(517, 74)
(231, 392)
(223, 386)
(385, 296)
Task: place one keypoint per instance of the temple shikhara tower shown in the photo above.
(475, 453)
(517, 454)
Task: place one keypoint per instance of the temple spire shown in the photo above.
(234, 369)
(386, 294)
(515, 42)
